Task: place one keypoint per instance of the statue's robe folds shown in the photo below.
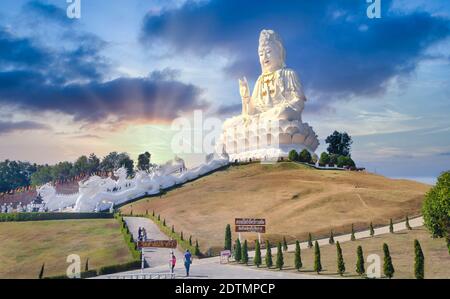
(278, 95)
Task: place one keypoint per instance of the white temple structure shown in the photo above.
(103, 194)
(271, 121)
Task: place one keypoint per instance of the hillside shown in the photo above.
(295, 200)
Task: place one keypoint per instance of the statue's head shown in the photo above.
(272, 55)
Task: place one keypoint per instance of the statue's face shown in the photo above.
(270, 58)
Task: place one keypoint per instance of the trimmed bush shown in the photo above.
(419, 261)
(317, 261)
(293, 155)
(280, 261)
(372, 231)
(388, 268)
(227, 245)
(244, 256)
(331, 240)
(360, 261)
(285, 245)
(268, 258)
(10, 217)
(391, 226)
(353, 238)
(310, 243)
(408, 227)
(237, 251)
(340, 259)
(257, 259)
(197, 249)
(119, 268)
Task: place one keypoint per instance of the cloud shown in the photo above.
(332, 44)
(10, 127)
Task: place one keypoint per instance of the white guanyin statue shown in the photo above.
(271, 121)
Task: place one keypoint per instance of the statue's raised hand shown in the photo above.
(244, 89)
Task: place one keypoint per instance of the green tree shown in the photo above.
(331, 240)
(360, 261)
(419, 261)
(62, 171)
(159, 218)
(173, 229)
(285, 245)
(244, 255)
(317, 262)
(408, 227)
(333, 160)
(353, 238)
(340, 259)
(81, 165)
(94, 163)
(324, 159)
(115, 160)
(293, 155)
(238, 251)
(16, 174)
(268, 258)
(86, 266)
(280, 261)
(391, 226)
(339, 143)
(298, 256)
(310, 243)
(388, 268)
(42, 176)
(372, 231)
(305, 156)
(436, 208)
(190, 240)
(196, 249)
(144, 161)
(181, 236)
(257, 259)
(227, 245)
(343, 161)
(41, 273)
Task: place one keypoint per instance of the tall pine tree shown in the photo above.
(360, 261)
(391, 226)
(268, 259)
(285, 246)
(280, 261)
(196, 249)
(388, 268)
(317, 261)
(419, 261)
(244, 256)
(41, 273)
(352, 237)
(227, 245)
(408, 227)
(310, 243)
(331, 240)
(340, 259)
(298, 256)
(257, 259)
(238, 251)
(372, 231)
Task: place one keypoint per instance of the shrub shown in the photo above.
(419, 261)
(10, 217)
(310, 243)
(391, 226)
(298, 256)
(197, 249)
(305, 156)
(293, 155)
(388, 268)
(280, 261)
(360, 261)
(331, 240)
(324, 159)
(352, 237)
(317, 262)
(41, 273)
(119, 268)
(408, 227)
(372, 231)
(285, 245)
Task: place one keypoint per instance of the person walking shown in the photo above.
(187, 261)
(172, 261)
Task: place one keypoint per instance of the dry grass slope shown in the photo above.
(295, 200)
(26, 245)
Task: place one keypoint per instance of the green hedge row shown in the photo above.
(128, 238)
(83, 275)
(10, 217)
(134, 265)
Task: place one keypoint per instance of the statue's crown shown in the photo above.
(270, 37)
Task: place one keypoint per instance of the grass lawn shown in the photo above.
(294, 199)
(437, 258)
(25, 246)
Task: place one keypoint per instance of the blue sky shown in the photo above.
(116, 78)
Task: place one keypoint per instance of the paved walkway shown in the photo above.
(210, 268)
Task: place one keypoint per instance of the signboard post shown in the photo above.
(225, 256)
(250, 225)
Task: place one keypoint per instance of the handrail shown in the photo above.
(143, 276)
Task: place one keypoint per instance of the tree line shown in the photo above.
(19, 175)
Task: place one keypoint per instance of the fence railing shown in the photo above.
(143, 276)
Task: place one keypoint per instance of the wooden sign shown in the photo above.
(250, 229)
(249, 221)
(158, 244)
